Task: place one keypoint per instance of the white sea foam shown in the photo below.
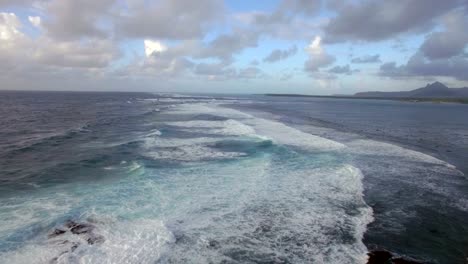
(286, 135)
(229, 127)
(376, 148)
(154, 132)
(139, 241)
(278, 132)
(209, 108)
(151, 143)
(283, 211)
(191, 153)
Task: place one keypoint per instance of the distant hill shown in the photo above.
(433, 90)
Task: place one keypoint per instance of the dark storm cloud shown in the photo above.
(379, 20)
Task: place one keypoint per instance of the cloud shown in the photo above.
(88, 54)
(277, 55)
(456, 67)
(450, 42)
(249, 73)
(226, 45)
(301, 7)
(345, 69)
(379, 20)
(9, 27)
(390, 69)
(441, 55)
(213, 69)
(35, 21)
(152, 46)
(318, 57)
(182, 40)
(12, 3)
(220, 71)
(72, 20)
(420, 66)
(291, 19)
(367, 59)
(170, 19)
(18, 51)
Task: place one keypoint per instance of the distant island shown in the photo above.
(434, 92)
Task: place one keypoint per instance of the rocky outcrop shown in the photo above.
(85, 230)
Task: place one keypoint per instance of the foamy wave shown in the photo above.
(191, 153)
(154, 132)
(229, 127)
(212, 108)
(151, 143)
(291, 214)
(139, 241)
(376, 148)
(278, 132)
(286, 135)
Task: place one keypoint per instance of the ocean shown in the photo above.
(170, 178)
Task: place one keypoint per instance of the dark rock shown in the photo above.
(379, 257)
(74, 246)
(95, 239)
(84, 229)
(79, 228)
(214, 244)
(57, 232)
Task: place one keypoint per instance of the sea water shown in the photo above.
(191, 179)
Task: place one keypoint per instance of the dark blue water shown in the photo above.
(419, 210)
(145, 178)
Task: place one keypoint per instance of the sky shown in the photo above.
(318, 47)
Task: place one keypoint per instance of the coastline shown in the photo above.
(404, 99)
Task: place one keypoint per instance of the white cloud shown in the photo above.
(19, 51)
(318, 57)
(152, 46)
(315, 48)
(35, 21)
(9, 27)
